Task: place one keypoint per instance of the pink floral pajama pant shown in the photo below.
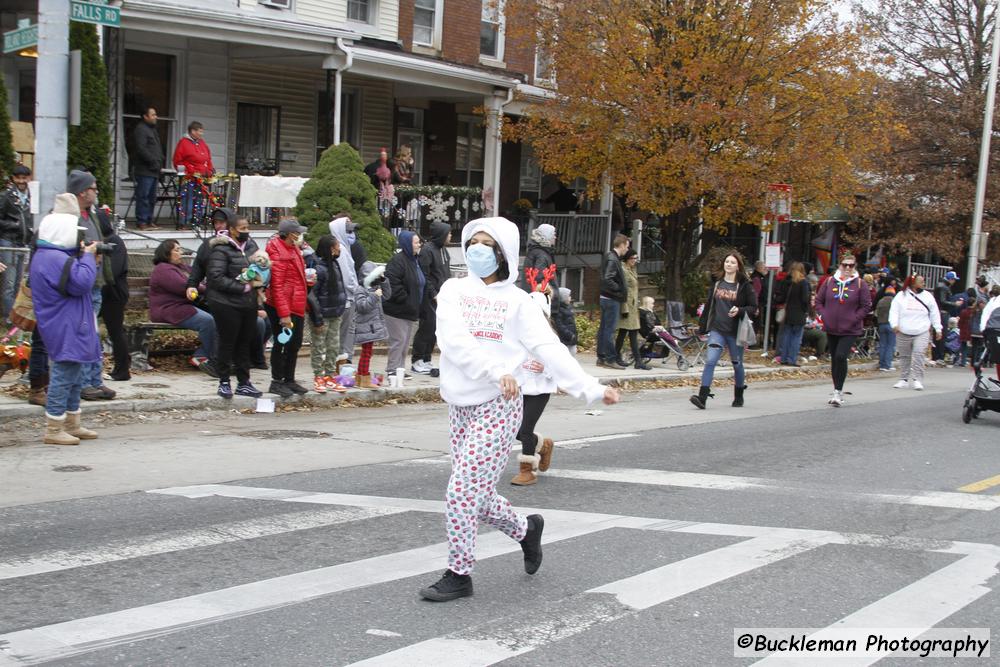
(481, 440)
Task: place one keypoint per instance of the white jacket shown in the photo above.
(913, 313)
(988, 309)
(488, 331)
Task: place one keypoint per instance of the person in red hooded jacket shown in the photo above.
(286, 305)
(192, 158)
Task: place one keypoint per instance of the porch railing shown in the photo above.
(576, 234)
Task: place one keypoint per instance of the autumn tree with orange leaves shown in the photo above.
(695, 106)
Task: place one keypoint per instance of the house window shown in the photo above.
(258, 135)
(424, 20)
(360, 10)
(149, 81)
(491, 30)
(350, 120)
(530, 180)
(469, 144)
(544, 65)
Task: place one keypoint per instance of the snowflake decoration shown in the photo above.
(439, 208)
(475, 206)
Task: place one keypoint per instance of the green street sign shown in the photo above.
(22, 38)
(89, 12)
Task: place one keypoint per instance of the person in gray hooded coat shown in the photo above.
(343, 229)
(369, 318)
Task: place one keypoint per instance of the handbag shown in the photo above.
(745, 335)
(779, 316)
(22, 315)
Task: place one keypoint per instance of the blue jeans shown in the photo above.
(716, 342)
(145, 198)
(886, 346)
(10, 280)
(204, 324)
(65, 384)
(610, 312)
(93, 374)
(190, 195)
(789, 342)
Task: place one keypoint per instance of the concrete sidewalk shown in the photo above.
(190, 389)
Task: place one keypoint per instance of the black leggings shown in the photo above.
(284, 355)
(840, 352)
(235, 328)
(113, 314)
(633, 340)
(534, 406)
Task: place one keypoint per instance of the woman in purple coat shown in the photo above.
(62, 275)
(843, 301)
(168, 302)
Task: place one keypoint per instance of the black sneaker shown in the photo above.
(247, 389)
(451, 586)
(280, 389)
(296, 387)
(620, 363)
(531, 545)
(225, 390)
(209, 368)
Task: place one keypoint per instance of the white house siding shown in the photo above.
(334, 13)
(376, 114)
(295, 91)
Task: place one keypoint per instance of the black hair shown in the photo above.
(324, 247)
(503, 270)
(21, 170)
(162, 253)
(195, 125)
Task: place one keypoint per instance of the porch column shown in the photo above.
(492, 149)
(52, 104)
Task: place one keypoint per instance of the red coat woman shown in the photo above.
(286, 305)
(192, 152)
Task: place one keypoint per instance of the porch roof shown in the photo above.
(231, 25)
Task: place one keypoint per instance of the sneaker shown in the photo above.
(902, 384)
(422, 367)
(531, 545)
(296, 387)
(885, 370)
(280, 389)
(333, 385)
(451, 586)
(319, 384)
(604, 363)
(837, 399)
(619, 363)
(247, 389)
(918, 385)
(225, 390)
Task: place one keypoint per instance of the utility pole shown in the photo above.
(972, 267)
(52, 101)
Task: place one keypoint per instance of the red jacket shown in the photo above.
(195, 157)
(965, 325)
(287, 291)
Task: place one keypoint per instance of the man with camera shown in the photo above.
(83, 185)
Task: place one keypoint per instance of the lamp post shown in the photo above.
(972, 268)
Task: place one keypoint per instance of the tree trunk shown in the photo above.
(679, 230)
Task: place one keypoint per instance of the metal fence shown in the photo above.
(577, 234)
(932, 273)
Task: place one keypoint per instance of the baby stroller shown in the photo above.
(659, 342)
(985, 392)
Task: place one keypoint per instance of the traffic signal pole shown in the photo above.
(52, 101)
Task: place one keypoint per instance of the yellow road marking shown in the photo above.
(976, 487)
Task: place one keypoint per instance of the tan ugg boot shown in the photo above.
(55, 433)
(545, 454)
(73, 427)
(526, 475)
(363, 381)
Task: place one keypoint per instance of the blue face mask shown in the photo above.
(352, 237)
(481, 260)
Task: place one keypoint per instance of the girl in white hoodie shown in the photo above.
(489, 327)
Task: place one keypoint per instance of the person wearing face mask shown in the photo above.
(234, 306)
(407, 283)
(912, 313)
(286, 305)
(842, 302)
(489, 328)
(345, 231)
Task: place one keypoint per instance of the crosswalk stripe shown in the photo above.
(922, 604)
(221, 533)
(942, 499)
(502, 639)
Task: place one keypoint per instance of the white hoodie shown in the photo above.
(338, 229)
(488, 331)
(988, 309)
(909, 314)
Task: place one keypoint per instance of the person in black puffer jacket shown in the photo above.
(613, 293)
(329, 297)
(540, 255)
(234, 306)
(436, 265)
(115, 293)
(402, 307)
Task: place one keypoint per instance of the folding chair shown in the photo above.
(688, 339)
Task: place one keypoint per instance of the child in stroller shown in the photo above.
(658, 343)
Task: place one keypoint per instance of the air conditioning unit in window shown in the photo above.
(277, 4)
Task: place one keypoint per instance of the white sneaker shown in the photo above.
(902, 384)
(421, 367)
(918, 385)
(837, 399)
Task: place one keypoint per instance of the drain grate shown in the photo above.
(70, 468)
(285, 435)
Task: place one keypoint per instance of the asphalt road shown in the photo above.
(666, 528)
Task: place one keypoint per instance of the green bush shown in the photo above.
(586, 330)
(6, 139)
(90, 142)
(694, 288)
(339, 184)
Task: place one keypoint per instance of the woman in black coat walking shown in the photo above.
(797, 300)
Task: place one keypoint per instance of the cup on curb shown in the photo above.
(400, 374)
(393, 382)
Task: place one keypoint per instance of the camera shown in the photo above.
(105, 248)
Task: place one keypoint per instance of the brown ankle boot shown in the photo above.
(39, 395)
(526, 475)
(72, 426)
(545, 454)
(55, 433)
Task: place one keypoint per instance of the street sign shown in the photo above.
(772, 256)
(779, 203)
(22, 38)
(89, 12)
